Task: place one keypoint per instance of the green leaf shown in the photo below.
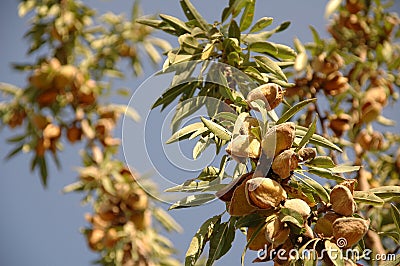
(226, 116)
(221, 241)
(251, 220)
(233, 9)
(308, 135)
(77, 186)
(256, 232)
(322, 162)
(291, 216)
(314, 185)
(171, 94)
(344, 169)
(184, 132)
(247, 16)
(264, 47)
(316, 37)
(43, 170)
(200, 239)
(10, 89)
(154, 23)
(317, 139)
(270, 66)
(218, 130)
(368, 197)
(325, 173)
(274, 49)
(192, 200)
(186, 108)
(233, 30)
(261, 24)
(334, 253)
(208, 173)
(178, 24)
(14, 152)
(200, 146)
(386, 192)
(193, 186)
(192, 14)
(294, 110)
(395, 215)
(166, 220)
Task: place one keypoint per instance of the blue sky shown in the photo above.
(40, 227)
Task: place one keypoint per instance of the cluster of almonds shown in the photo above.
(120, 217)
(255, 194)
(267, 194)
(324, 75)
(338, 223)
(353, 18)
(65, 84)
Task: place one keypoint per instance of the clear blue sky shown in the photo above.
(40, 227)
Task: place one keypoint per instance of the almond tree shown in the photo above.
(322, 125)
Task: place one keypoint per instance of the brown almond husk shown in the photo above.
(264, 193)
(271, 94)
(276, 232)
(324, 225)
(350, 228)
(285, 163)
(278, 138)
(377, 94)
(342, 200)
(259, 242)
(244, 146)
(226, 193)
(299, 206)
(65, 76)
(74, 134)
(339, 123)
(350, 184)
(239, 205)
(370, 111)
(141, 219)
(138, 200)
(335, 84)
(307, 154)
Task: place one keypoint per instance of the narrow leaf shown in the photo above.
(270, 66)
(192, 200)
(317, 139)
(192, 14)
(308, 135)
(322, 161)
(218, 130)
(386, 192)
(294, 110)
(368, 197)
(247, 16)
(184, 132)
(261, 24)
(200, 239)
